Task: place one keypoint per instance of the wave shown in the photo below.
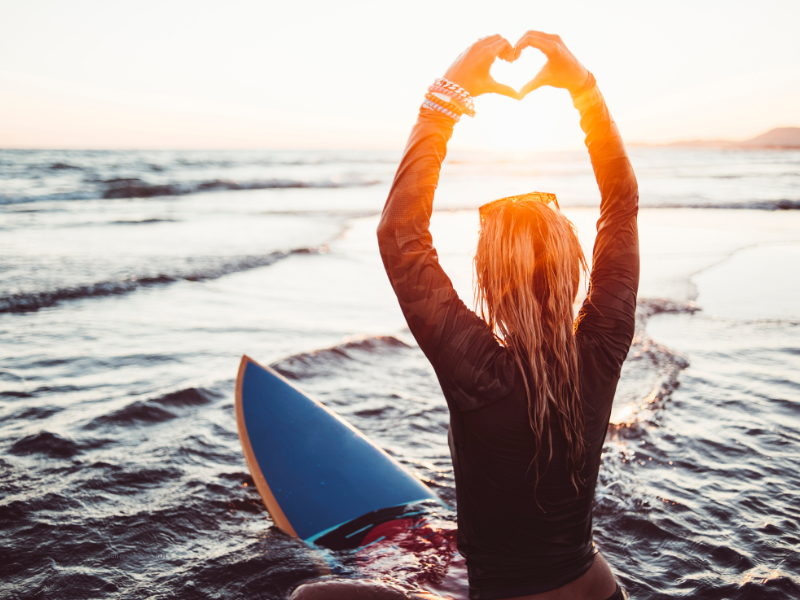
(123, 481)
(45, 442)
(138, 412)
(156, 410)
(32, 301)
(188, 397)
(136, 188)
(52, 445)
(292, 161)
(650, 375)
(755, 205)
(133, 187)
(142, 222)
(647, 307)
(325, 361)
(650, 372)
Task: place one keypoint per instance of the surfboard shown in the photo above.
(320, 478)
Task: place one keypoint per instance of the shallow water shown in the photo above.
(122, 321)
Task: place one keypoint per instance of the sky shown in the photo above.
(352, 73)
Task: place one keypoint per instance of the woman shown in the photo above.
(529, 389)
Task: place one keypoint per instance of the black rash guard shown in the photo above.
(513, 544)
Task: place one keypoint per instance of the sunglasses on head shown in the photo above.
(544, 197)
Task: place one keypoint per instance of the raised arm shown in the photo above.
(608, 314)
(459, 345)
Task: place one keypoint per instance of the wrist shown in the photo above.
(449, 98)
(587, 100)
(587, 85)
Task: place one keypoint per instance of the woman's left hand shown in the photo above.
(562, 69)
(471, 69)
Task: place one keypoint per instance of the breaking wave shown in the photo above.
(136, 188)
(133, 187)
(650, 372)
(31, 301)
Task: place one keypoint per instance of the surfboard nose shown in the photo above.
(315, 472)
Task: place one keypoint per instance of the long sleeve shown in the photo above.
(608, 314)
(462, 349)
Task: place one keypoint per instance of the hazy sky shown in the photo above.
(351, 74)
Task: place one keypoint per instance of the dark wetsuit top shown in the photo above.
(511, 545)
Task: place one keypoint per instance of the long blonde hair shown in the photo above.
(528, 266)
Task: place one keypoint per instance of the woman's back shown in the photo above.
(513, 524)
(519, 537)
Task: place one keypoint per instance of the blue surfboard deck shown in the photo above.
(319, 477)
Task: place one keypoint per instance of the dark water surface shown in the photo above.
(132, 282)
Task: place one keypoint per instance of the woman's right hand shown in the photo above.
(562, 69)
(471, 69)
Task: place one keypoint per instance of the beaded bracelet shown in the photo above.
(453, 98)
(451, 94)
(449, 106)
(441, 109)
(437, 99)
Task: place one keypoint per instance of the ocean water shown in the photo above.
(132, 282)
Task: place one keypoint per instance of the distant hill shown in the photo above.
(781, 137)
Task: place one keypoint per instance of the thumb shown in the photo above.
(500, 88)
(540, 80)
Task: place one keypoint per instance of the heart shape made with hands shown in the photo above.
(516, 74)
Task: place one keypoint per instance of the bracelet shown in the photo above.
(465, 100)
(441, 109)
(587, 85)
(453, 98)
(446, 83)
(448, 91)
(443, 103)
(460, 101)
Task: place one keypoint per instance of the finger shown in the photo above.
(501, 48)
(540, 80)
(488, 40)
(548, 47)
(500, 88)
(541, 34)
